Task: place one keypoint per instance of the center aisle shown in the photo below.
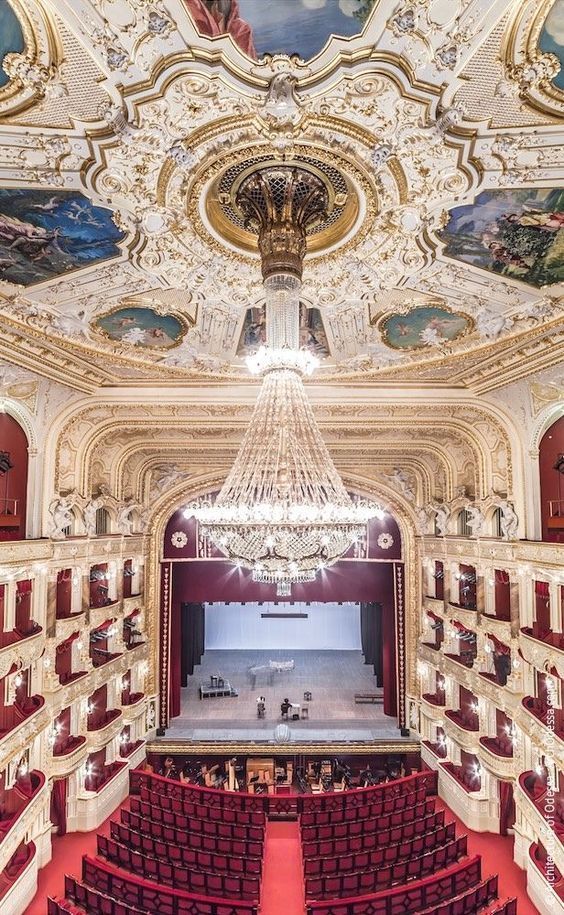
(282, 882)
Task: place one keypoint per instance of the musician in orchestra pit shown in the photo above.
(168, 768)
(285, 707)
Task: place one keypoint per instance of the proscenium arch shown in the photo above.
(204, 484)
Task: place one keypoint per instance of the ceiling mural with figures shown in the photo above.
(44, 234)
(122, 245)
(261, 27)
(518, 233)
(551, 38)
(11, 36)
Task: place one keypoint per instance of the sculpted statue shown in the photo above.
(442, 515)
(401, 482)
(475, 520)
(422, 523)
(62, 517)
(509, 521)
(89, 516)
(124, 521)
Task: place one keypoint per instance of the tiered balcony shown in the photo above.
(455, 728)
(32, 797)
(545, 818)
(496, 756)
(547, 895)
(68, 758)
(30, 719)
(18, 880)
(536, 650)
(463, 615)
(29, 649)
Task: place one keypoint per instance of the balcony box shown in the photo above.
(538, 651)
(70, 757)
(18, 880)
(29, 649)
(547, 896)
(93, 806)
(530, 795)
(34, 794)
(97, 721)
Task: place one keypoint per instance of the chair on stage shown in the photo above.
(305, 712)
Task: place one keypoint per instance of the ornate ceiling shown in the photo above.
(126, 127)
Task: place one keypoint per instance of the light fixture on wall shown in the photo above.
(283, 511)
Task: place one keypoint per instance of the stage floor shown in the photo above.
(333, 678)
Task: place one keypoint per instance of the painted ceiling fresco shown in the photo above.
(425, 326)
(552, 37)
(46, 233)
(142, 327)
(280, 26)
(518, 233)
(312, 332)
(11, 36)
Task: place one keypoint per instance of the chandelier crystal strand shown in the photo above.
(283, 511)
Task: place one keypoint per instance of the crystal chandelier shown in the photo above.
(283, 511)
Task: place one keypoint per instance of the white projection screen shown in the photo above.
(326, 627)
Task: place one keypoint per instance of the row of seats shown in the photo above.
(368, 881)
(206, 883)
(201, 825)
(376, 835)
(416, 897)
(379, 857)
(427, 782)
(306, 804)
(113, 892)
(376, 808)
(252, 848)
(202, 811)
(180, 854)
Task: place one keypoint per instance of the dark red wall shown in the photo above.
(13, 485)
(551, 482)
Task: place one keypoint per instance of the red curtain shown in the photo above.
(439, 580)
(23, 607)
(127, 567)
(389, 660)
(59, 805)
(64, 593)
(63, 724)
(502, 595)
(126, 689)
(542, 609)
(506, 807)
(439, 689)
(99, 702)
(466, 700)
(63, 658)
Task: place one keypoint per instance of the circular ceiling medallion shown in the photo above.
(351, 197)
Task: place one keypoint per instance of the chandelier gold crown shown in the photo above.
(283, 511)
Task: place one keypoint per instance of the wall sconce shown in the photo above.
(18, 680)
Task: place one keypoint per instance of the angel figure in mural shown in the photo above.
(62, 517)
(281, 104)
(509, 521)
(220, 17)
(475, 520)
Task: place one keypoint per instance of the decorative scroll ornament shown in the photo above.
(283, 511)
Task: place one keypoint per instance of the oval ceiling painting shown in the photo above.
(141, 327)
(423, 326)
(11, 36)
(280, 26)
(551, 38)
(518, 233)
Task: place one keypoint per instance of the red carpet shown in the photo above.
(282, 882)
(67, 859)
(497, 858)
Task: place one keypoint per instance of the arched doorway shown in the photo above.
(195, 583)
(551, 469)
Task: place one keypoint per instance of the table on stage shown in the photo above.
(294, 711)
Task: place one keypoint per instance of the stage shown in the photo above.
(332, 676)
